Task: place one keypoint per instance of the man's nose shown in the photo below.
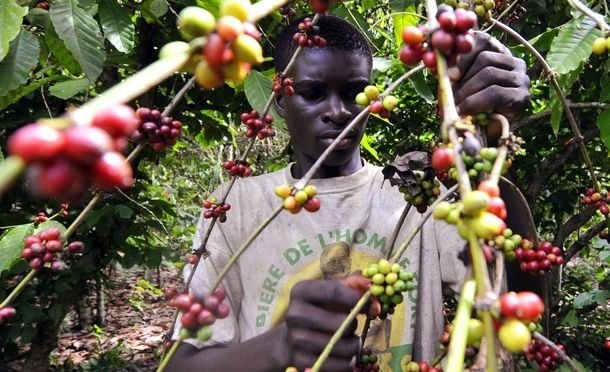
(336, 110)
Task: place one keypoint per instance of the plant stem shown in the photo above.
(459, 333)
(19, 288)
(178, 97)
(10, 169)
(169, 355)
(496, 171)
(418, 227)
(339, 333)
(81, 216)
(598, 18)
(481, 277)
(244, 246)
(573, 125)
(130, 88)
(397, 228)
(556, 349)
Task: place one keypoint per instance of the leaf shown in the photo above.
(601, 296)
(70, 88)
(366, 144)
(123, 211)
(15, 95)
(421, 87)
(584, 299)
(11, 245)
(570, 319)
(117, 25)
(21, 59)
(381, 64)
(258, 90)
(572, 45)
(11, 16)
(565, 83)
(603, 122)
(212, 6)
(564, 367)
(61, 53)
(81, 35)
(50, 224)
(403, 20)
(153, 10)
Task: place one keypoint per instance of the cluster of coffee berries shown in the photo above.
(63, 163)
(480, 211)
(159, 130)
(215, 209)
(388, 283)
(367, 362)
(41, 217)
(453, 37)
(538, 260)
(45, 248)
(518, 309)
(442, 161)
(7, 313)
(239, 168)
(381, 106)
(599, 199)
(231, 44)
(601, 45)
(478, 165)
(307, 34)
(414, 366)
(43, 5)
(283, 84)
(257, 126)
(507, 243)
(547, 358)
(484, 8)
(288, 12)
(198, 315)
(304, 198)
(424, 193)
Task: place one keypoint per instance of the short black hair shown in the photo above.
(338, 33)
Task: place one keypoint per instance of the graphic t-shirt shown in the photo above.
(352, 229)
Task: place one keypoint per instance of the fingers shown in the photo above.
(506, 101)
(490, 58)
(329, 293)
(305, 360)
(313, 342)
(309, 316)
(488, 76)
(482, 42)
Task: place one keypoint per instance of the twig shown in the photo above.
(401, 221)
(459, 335)
(143, 207)
(167, 357)
(583, 240)
(496, 171)
(576, 105)
(598, 18)
(20, 287)
(44, 100)
(556, 349)
(499, 274)
(178, 97)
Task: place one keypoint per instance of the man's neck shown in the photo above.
(327, 171)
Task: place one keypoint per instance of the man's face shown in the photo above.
(325, 83)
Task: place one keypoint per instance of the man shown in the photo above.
(283, 309)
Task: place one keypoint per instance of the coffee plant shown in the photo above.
(130, 110)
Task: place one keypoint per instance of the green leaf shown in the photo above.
(584, 299)
(421, 87)
(61, 53)
(258, 90)
(11, 15)
(70, 88)
(603, 122)
(564, 367)
(15, 95)
(153, 10)
(366, 144)
(123, 211)
(117, 25)
(81, 35)
(21, 59)
(212, 6)
(403, 20)
(571, 319)
(50, 224)
(11, 245)
(572, 45)
(565, 83)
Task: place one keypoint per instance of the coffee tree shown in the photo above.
(112, 163)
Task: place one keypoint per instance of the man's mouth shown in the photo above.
(329, 136)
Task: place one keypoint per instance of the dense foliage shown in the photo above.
(58, 54)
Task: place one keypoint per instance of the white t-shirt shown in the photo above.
(354, 225)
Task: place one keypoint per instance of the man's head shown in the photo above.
(326, 81)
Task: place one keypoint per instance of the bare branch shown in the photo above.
(517, 124)
(584, 239)
(572, 224)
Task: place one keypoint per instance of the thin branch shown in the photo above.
(556, 349)
(178, 97)
(598, 18)
(535, 117)
(572, 224)
(584, 239)
(143, 207)
(401, 221)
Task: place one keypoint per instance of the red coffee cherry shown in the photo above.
(35, 142)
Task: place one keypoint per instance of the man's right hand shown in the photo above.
(316, 310)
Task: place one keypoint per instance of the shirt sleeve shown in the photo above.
(224, 331)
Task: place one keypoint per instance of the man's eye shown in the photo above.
(312, 94)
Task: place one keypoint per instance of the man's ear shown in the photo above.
(278, 104)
